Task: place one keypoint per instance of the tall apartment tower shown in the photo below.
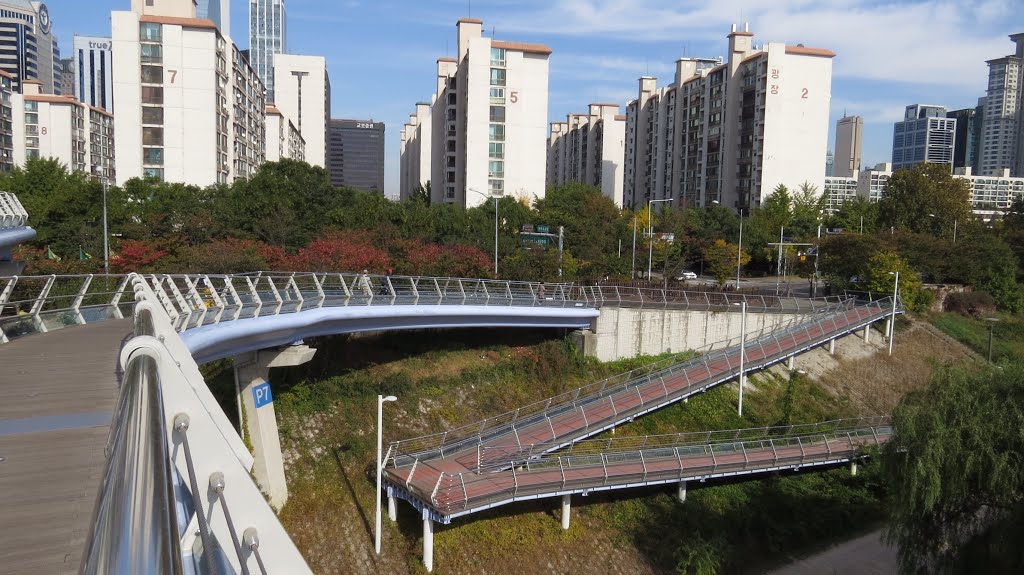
(926, 135)
(283, 138)
(1002, 131)
(488, 120)
(588, 148)
(94, 71)
(849, 135)
(60, 127)
(304, 95)
(28, 48)
(219, 11)
(417, 159)
(268, 35)
(6, 122)
(967, 141)
(190, 109)
(731, 131)
(357, 155)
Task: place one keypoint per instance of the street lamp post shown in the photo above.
(632, 269)
(739, 258)
(650, 233)
(991, 328)
(98, 172)
(380, 437)
(496, 197)
(743, 344)
(892, 320)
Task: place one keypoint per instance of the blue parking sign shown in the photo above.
(261, 394)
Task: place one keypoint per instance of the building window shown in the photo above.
(152, 136)
(31, 118)
(498, 57)
(157, 173)
(497, 133)
(153, 156)
(496, 187)
(152, 74)
(148, 31)
(497, 77)
(497, 113)
(151, 115)
(151, 53)
(496, 169)
(497, 151)
(31, 106)
(152, 95)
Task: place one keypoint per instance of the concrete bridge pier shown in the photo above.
(791, 363)
(392, 506)
(832, 346)
(428, 542)
(682, 492)
(566, 503)
(258, 417)
(853, 468)
(867, 333)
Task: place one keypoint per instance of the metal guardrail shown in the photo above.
(622, 296)
(12, 213)
(625, 388)
(456, 494)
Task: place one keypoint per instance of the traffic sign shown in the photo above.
(261, 394)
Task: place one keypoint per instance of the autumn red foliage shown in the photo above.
(136, 256)
(338, 252)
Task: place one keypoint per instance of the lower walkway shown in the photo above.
(56, 401)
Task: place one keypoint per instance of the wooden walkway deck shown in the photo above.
(57, 394)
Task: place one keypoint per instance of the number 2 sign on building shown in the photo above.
(775, 84)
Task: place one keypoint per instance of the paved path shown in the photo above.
(56, 399)
(865, 555)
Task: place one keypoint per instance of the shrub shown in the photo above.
(973, 304)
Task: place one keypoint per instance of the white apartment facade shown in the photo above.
(92, 63)
(730, 131)
(1002, 130)
(6, 121)
(190, 108)
(488, 120)
(283, 139)
(589, 148)
(60, 127)
(849, 138)
(839, 190)
(415, 151)
(303, 94)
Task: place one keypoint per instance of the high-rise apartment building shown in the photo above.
(926, 135)
(838, 191)
(268, 35)
(283, 139)
(28, 49)
(190, 108)
(218, 11)
(416, 154)
(67, 76)
(6, 122)
(967, 140)
(731, 131)
(849, 136)
(60, 127)
(303, 94)
(1001, 137)
(488, 120)
(94, 71)
(589, 149)
(357, 155)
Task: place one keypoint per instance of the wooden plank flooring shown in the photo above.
(57, 391)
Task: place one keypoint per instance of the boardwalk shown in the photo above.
(55, 408)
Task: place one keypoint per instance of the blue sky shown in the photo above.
(381, 53)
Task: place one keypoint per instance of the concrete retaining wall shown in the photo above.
(627, 332)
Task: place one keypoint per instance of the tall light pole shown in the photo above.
(98, 172)
(650, 233)
(739, 261)
(496, 197)
(632, 269)
(743, 344)
(892, 320)
(991, 328)
(380, 437)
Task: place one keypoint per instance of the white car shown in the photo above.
(686, 276)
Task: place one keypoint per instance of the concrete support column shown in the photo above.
(832, 346)
(791, 363)
(867, 333)
(392, 507)
(428, 542)
(259, 417)
(682, 492)
(853, 468)
(888, 328)
(566, 501)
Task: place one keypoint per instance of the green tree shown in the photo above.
(854, 214)
(925, 199)
(955, 465)
(881, 280)
(807, 210)
(593, 224)
(720, 257)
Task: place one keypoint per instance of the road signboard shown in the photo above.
(261, 394)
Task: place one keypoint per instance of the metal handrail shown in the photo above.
(134, 522)
(652, 375)
(12, 213)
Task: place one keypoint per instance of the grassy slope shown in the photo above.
(446, 379)
(1007, 340)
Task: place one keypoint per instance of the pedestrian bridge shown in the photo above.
(110, 440)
